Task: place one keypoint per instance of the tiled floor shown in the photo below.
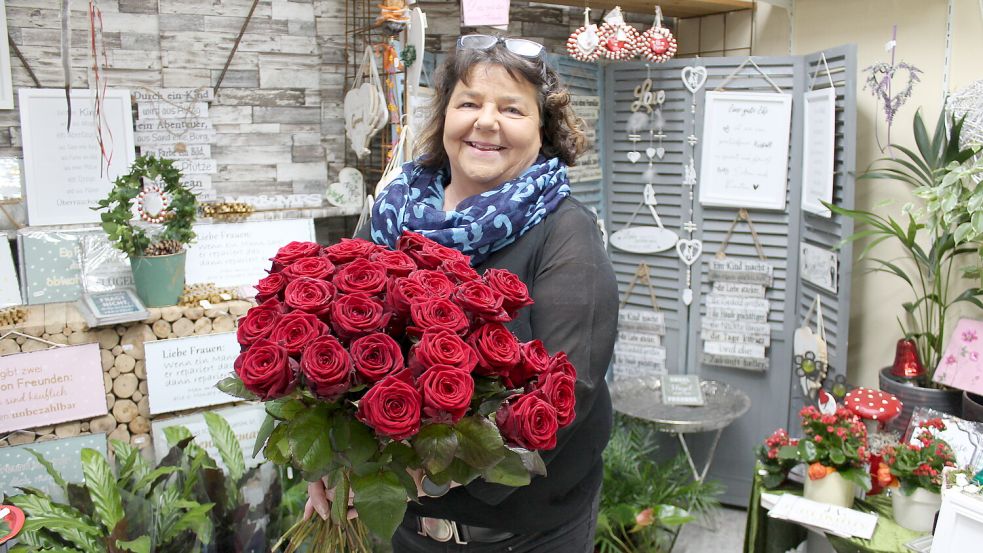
(725, 536)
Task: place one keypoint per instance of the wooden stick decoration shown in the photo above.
(642, 272)
(235, 46)
(742, 215)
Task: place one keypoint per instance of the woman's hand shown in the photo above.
(320, 499)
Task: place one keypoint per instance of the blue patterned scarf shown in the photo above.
(481, 224)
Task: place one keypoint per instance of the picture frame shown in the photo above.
(818, 150)
(745, 150)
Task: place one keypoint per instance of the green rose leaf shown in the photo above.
(265, 430)
(510, 471)
(458, 471)
(531, 460)
(380, 501)
(233, 386)
(480, 444)
(277, 448)
(310, 445)
(436, 445)
(362, 443)
(285, 409)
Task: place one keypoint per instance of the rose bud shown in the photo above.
(446, 393)
(349, 250)
(309, 294)
(560, 363)
(267, 370)
(295, 330)
(497, 349)
(355, 315)
(397, 263)
(436, 313)
(270, 286)
(327, 368)
(481, 302)
(375, 356)
(292, 252)
(528, 421)
(259, 322)
(391, 407)
(514, 291)
(441, 347)
(309, 267)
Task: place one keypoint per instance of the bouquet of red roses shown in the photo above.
(373, 361)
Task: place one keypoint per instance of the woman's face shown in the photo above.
(491, 128)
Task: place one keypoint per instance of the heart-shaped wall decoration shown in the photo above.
(689, 250)
(694, 77)
(660, 151)
(634, 156)
(650, 151)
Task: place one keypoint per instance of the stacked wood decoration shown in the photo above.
(638, 352)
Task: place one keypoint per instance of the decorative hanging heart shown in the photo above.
(583, 44)
(618, 42)
(660, 151)
(657, 45)
(694, 77)
(650, 151)
(689, 250)
(688, 296)
(634, 156)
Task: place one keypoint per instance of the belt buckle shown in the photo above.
(441, 530)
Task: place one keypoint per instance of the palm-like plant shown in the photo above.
(933, 250)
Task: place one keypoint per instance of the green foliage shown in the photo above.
(838, 441)
(942, 173)
(920, 465)
(643, 501)
(771, 466)
(117, 220)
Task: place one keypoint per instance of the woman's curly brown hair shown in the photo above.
(562, 131)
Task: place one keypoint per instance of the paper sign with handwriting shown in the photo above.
(245, 421)
(485, 12)
(745, 150)
(238, 254)
(182, 372)
(19, 468)
(51, 386)
(818, 151)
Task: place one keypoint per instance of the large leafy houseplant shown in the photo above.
(644, 503)
(933, 250)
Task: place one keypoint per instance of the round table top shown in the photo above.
(642, 399)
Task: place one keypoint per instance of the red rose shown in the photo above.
(497, 349)
(259, 322)
(349, 250)
(435, 282)
(534, 361)
(441, 253)
(401, 293)
(529, 421)
(459, 270)
(355, 315)
(560, 391)
(397, 263)
(309, 294)
(513, 290)
(561, 364)
(327, 368)
(441, 347)
(391, 407)
(292, 252)
(267, 370)
(361, 275)
(412, 243)
(295, 330)
(446, 393)
(437, 313)
(270, 286)
(310, 267)
(479, 300)
(375, 356)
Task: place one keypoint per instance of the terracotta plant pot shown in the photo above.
(916, 511)
(832, 489)
(972, 407)
(945, 401)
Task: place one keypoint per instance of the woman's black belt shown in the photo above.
(444, 530)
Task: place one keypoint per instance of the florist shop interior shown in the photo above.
(196, 321)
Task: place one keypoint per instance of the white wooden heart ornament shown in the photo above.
(660, 151)
(694, 77)
(689, 250)
(650, 152)
(634, 156)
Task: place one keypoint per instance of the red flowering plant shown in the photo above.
(831, 443)
(373, 361)
(772, 468)
(919, 465)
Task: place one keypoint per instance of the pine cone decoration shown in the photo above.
(164, 247)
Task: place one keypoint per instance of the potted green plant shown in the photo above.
(773, 469)
(935, 251)
(154, 232)
(918, 468)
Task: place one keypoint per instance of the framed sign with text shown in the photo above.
(182, 372)
(245, 421)
(19, 468)
(818, 150)
(65, 173)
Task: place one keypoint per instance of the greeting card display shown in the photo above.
(962, 361)
(18, 467)
(182, 372)
(49, 264)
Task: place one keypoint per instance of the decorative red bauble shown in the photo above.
(659, 45)
(906, 362)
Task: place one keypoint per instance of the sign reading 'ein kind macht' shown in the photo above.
(51, 386)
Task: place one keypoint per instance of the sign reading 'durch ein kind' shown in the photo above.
(51, 386)
(182, 372)
(19, 468)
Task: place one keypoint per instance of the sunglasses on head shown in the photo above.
(518, 46)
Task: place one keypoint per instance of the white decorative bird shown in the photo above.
(827, 405)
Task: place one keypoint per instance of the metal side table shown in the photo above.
(642, 399)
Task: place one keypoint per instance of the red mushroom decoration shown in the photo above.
(875, 407)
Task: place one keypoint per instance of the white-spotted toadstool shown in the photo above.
(875, 407)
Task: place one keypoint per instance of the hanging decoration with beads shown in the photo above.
(584, 43)
(153, 203)
(618, 40)
(657, 44)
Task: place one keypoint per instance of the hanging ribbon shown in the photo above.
(100, 62)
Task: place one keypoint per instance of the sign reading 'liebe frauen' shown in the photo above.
(51, 386)
(182, 372)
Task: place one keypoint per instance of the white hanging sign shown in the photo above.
(818, 152)
(818, 266)
(642, 320)
(644, 239)
(745, 149)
